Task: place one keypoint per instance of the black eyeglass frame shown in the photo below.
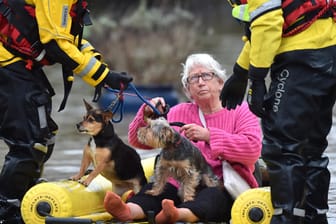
(205, 76)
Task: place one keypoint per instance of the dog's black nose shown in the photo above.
(78, 125)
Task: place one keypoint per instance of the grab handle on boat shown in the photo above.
(56, 220)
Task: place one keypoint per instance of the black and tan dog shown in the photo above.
(110, 156)
(179, 159)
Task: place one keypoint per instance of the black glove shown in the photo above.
(255, 95)
(117, 80)
(234, 88)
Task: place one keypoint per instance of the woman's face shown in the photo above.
(203, 84)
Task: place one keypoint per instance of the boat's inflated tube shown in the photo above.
(254, 206)
(66, 198)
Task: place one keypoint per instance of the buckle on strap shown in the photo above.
(4, 9)
(322, 211)
(296, 212)
(299, 212)
(278, 211)
(40, 147)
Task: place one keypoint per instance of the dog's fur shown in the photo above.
(111, 157)
(179, 159)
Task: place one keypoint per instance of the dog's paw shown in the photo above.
(85, 182)
(75, 177)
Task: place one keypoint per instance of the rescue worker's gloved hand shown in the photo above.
(114, 80)
(117, 80)
(256, 93)
(234, 88)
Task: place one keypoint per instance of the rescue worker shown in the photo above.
(294, 42)
(26, 125)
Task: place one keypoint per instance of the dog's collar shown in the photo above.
(107, 127)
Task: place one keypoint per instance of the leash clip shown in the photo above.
(117, 103)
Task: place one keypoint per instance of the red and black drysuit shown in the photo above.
(25, 93)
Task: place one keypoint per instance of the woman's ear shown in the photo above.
(221, 84)
(221, 81)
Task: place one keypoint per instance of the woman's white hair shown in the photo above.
(205, 60)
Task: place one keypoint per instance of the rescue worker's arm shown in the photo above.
(54, 22)
(234, 88)
(243, 59)
(266, 35)
(87, 48)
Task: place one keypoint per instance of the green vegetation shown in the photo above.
(150, 39)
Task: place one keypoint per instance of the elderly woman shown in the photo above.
(220, 134)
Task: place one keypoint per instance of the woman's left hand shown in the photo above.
(195, 132)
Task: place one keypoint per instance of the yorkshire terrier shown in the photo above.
(179, 159)
(110, 156)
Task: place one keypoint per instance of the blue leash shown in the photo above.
(118, 102)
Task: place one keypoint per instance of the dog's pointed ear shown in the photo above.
(107, 116)
(87, 105)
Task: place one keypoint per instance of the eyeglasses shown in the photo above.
(206, 76)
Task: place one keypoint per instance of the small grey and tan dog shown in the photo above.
(179, 159)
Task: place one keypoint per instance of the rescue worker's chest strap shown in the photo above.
(298, 14)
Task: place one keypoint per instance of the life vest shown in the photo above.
(298, 14)
(19, 35)
(19, 29)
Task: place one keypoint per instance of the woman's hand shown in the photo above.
(196, 132)
(157, 102)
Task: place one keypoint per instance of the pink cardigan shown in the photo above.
(235, 136)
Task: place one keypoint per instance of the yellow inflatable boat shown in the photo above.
(67, 202)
